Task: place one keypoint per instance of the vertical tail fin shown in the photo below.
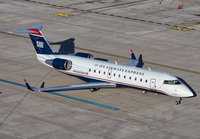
(39, 42)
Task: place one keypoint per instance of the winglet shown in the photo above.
(28, 86)
(132, 55)
(141, 63)
(42, 85)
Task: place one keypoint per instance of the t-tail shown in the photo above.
(39, 42)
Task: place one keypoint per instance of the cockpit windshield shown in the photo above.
(172, 82)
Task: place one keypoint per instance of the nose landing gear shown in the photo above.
(178, 100)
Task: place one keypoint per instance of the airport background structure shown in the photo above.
(167, 37)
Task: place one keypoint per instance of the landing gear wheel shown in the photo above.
(144, 92)
(178, 100)
(94, 89)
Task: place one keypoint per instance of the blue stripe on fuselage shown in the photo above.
(88, 79)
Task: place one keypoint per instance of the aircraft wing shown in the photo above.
(134, 62)
(73, 87)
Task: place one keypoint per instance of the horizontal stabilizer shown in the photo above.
(21, 31)
(30, 30)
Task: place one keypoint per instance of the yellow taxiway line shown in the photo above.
(93, 11)
(193, 26)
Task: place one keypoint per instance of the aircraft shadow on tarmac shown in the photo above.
(66, 46)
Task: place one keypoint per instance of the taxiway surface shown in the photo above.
(107, 29)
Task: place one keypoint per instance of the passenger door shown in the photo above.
(153, 84)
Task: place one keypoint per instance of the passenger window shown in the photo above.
(89, 70)
(124, 76)
(99, 72)
(119, 75)
(94, 71)
(145, 81)
(135, 78)
(114, 74)
(130, 78)
(140, 80)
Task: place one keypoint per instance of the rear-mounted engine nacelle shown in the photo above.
(58, 63)
(86, 55)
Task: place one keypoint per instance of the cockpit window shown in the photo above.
(172, 82)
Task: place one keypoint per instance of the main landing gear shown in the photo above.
(94, 89)
(178, 100)
(144, 92)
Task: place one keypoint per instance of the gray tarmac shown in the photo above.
(107, 29)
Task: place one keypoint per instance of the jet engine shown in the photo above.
(86, 55)
(58, 63)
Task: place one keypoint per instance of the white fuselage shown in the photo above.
(122, 75)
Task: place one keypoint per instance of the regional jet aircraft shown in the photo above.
(99, 73)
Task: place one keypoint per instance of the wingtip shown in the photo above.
(25, 81)
(28, 86)
(131, 51)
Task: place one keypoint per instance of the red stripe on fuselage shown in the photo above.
(131, 85)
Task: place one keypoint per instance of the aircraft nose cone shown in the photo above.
(192, 94)
(188, 93)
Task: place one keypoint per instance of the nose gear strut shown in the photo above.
(178, 100)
